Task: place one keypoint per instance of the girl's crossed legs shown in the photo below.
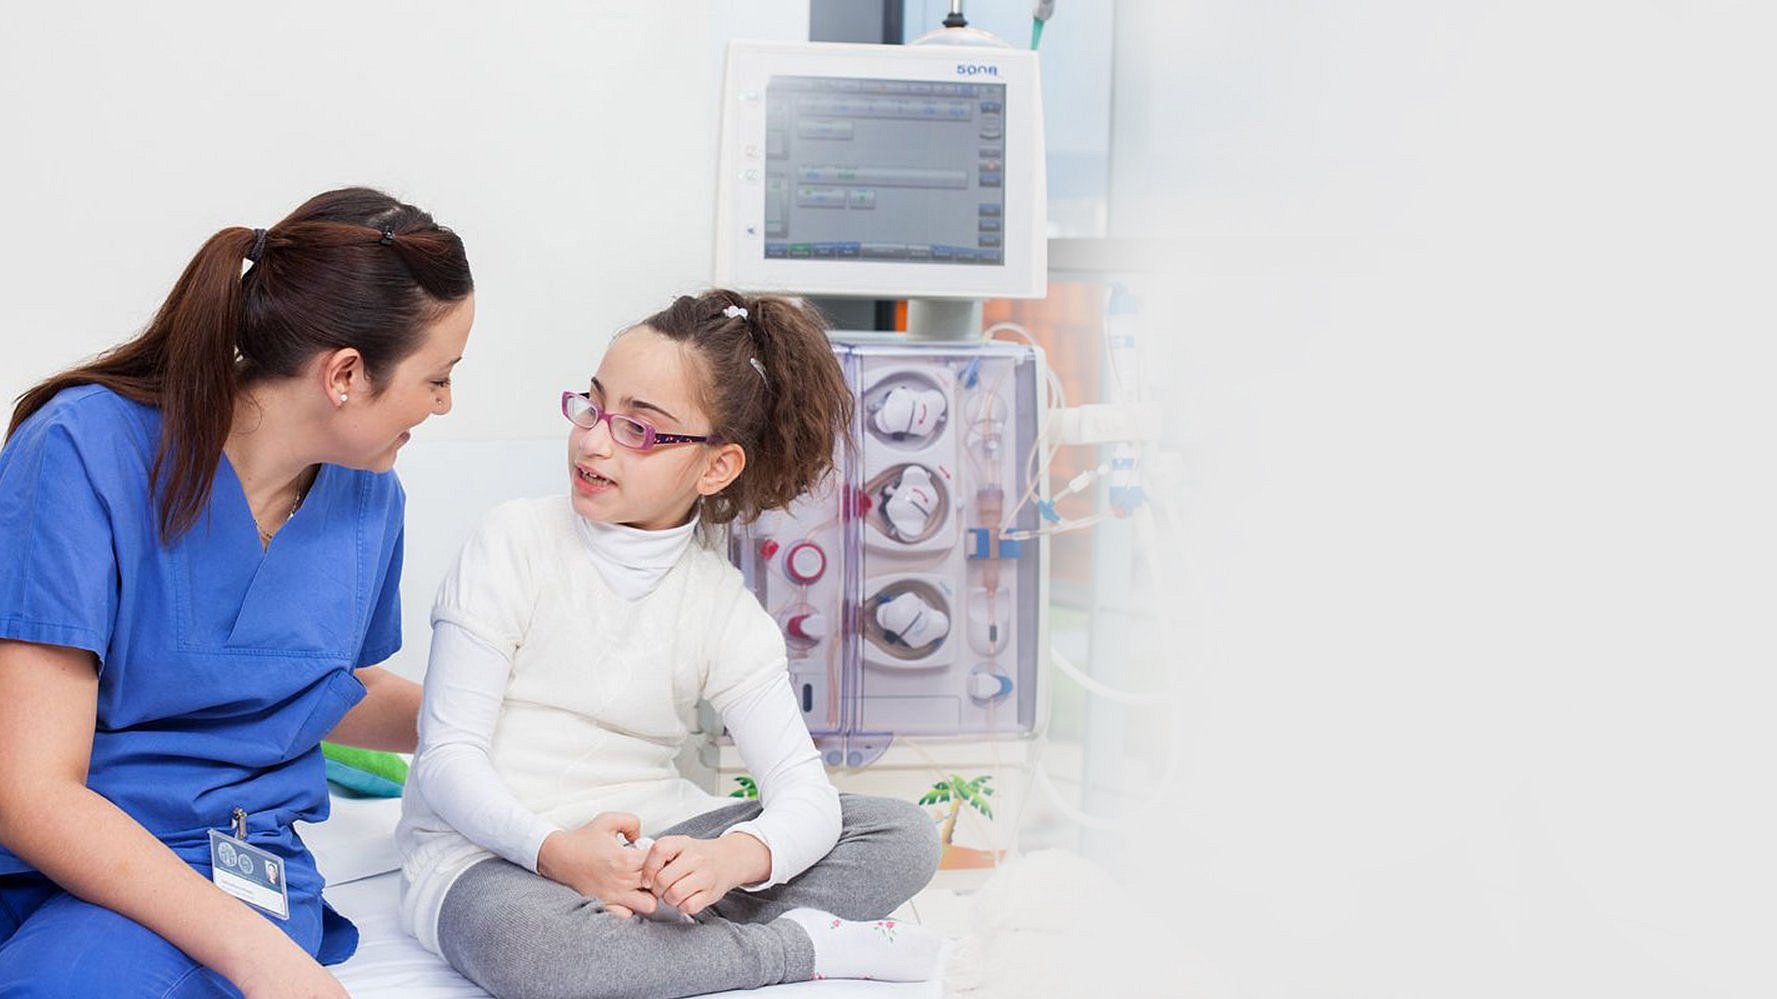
(517, 934)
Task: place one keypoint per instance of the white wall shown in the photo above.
(571, 144)
(1481, 515)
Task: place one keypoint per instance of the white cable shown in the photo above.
(1109, 693)
(1006, 324)
(1147, 536)
(1146, 530)
(1062, 528)
(1039, 776)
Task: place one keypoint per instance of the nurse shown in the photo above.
(200, 548)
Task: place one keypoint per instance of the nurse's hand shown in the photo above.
(691, 874)
(594, 861)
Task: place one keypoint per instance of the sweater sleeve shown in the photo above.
(453, 770)
(491, 589)
(481, 616)
(749, 684)
(801, 819)
(745, 650)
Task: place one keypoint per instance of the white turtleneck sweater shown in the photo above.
(567, 658)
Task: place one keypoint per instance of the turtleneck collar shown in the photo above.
(630, 560)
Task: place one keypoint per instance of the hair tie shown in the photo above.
(737, 312)
(258, 246)
(388, 236)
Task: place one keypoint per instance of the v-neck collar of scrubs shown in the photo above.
(231, 503)
(226, 567)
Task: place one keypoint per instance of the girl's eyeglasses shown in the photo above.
(628, 431)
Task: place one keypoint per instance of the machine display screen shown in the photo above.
(891, 170)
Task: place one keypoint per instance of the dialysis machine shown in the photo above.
(904, 610)
(912, 587)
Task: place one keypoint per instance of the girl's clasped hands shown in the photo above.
(670, 879)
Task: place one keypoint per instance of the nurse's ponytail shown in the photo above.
(349, 268)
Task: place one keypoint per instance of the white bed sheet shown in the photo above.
(389, 962)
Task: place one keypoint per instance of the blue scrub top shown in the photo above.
(221, 665)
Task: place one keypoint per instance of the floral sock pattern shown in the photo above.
(883, 949)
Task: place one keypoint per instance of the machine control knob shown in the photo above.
(805, 562)
(810, 627)
(988, 685)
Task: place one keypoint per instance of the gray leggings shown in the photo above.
(520, 935)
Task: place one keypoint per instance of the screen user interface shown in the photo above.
(892, 170)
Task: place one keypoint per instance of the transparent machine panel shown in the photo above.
(903, 611)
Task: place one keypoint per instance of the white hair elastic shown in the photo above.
(735, 312)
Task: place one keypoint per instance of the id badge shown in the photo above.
(249, 874)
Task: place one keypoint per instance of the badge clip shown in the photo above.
(250, 874)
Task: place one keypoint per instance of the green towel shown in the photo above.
(367, 772)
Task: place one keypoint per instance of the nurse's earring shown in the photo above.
(343, 397)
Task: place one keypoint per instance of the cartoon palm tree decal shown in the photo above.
(747, 788)
(956, 792)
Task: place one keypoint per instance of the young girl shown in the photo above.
(545, 815)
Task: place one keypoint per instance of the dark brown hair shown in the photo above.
(788, 418)
(349, 268)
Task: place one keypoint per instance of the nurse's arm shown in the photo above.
(387, 718)
(53, 821)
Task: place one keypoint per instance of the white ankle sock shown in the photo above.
(884, 949)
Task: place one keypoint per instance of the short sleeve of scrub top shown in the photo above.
(383, 638)
(58, 576)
